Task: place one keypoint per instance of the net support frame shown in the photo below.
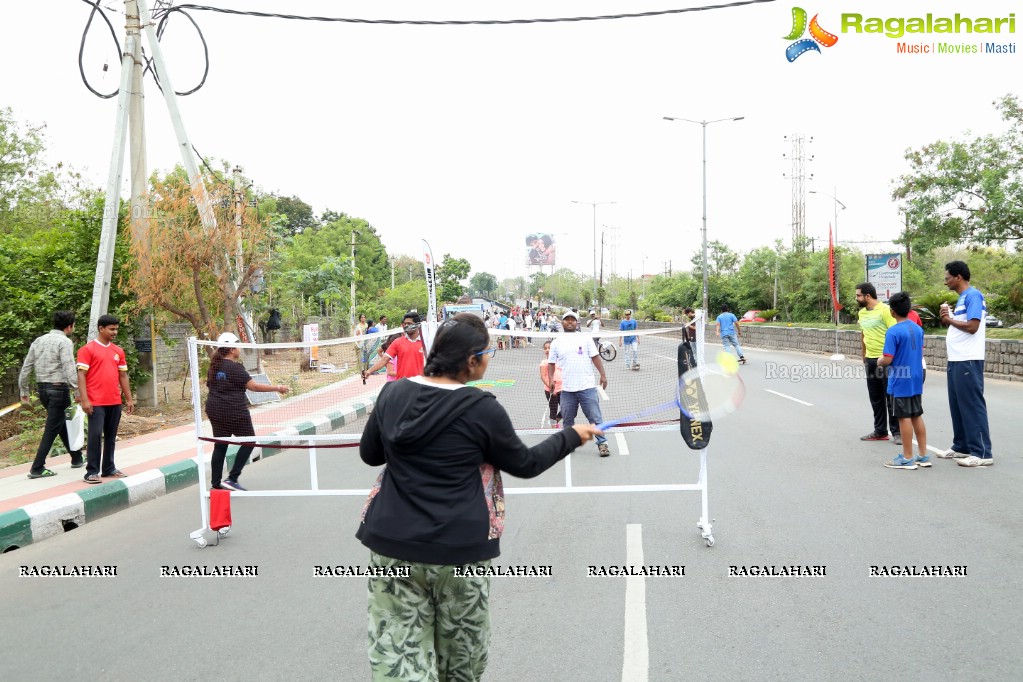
(704, 524)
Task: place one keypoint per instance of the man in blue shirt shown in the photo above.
(965, 349)
(727, 326)
(904, 355)
(630, 344)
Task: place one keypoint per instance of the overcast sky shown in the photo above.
(473, 136)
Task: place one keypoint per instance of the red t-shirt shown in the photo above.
(915, 317)
(409, 356)
(102, 365)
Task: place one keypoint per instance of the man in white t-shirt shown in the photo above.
(594, 326)
(965, 344)
(576, 356)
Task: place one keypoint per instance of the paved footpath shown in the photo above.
(157, 463)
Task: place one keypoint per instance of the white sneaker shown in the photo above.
(952, 454)
(974, 461)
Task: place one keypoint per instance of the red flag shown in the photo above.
(831, 272)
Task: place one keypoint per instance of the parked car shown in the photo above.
(752, 316)
(993, 322)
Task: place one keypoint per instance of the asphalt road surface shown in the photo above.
(790, 485)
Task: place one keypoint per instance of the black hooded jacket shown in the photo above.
(441, 444)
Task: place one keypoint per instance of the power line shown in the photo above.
(464, 22)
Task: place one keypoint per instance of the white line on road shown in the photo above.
(636, 661)
(623, 447)
(788, 397)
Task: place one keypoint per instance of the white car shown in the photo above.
(992, 322)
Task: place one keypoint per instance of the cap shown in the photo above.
(227, 338)
(570, 314)
(629, 311)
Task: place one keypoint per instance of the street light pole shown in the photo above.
(837, 355)
(594, 204)
(704, 124)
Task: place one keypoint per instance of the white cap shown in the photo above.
(569, 314)
(227, 338)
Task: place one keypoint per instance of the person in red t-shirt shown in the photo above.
(406, 351)
(102, 379)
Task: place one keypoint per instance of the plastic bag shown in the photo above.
(76, 429)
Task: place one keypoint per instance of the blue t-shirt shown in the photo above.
(628, 326)
(904, 343)
(727, 322)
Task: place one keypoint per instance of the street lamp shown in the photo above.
(594, 204)
(704, 124)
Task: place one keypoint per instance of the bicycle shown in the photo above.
(607, 350)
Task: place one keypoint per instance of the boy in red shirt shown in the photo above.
(407, 351)
(102, 379)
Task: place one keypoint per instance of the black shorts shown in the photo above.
(906, 408)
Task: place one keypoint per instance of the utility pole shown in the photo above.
(602, 233)
(392, 272)
(909, 250)
(147, 394)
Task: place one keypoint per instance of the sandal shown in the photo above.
(43, 474)
(116, 473)
(92, 478)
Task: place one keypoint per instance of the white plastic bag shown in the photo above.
(76, 429)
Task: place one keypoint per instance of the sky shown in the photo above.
(472, 137)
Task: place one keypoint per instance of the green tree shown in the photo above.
(450, 274)
(483, 284)
(966, 190)
(297, 214)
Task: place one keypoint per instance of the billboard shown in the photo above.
(884, 271)
(540, 248)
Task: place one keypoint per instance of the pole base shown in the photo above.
(837, 356)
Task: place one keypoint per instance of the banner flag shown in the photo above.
(831, 272)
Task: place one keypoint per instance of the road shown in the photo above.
(790, 484)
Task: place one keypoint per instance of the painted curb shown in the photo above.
(57, 515)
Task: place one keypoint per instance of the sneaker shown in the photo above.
(875, 436)
(42, 474)
(897, 439)
(742, 360)
(79, 464)
(604, 450)
(901, 462)
(952, 454)
(636, 367)
(924, 461)
(232, 485)
(974, 461)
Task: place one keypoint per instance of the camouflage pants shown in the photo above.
(433, 626)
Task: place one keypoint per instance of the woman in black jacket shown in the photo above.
(434, 519)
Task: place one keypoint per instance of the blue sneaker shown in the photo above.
(924, 461)
(235, 485)
(899, 462)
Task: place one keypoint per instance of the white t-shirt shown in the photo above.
(960, 345)
(594, 325)
(572, 353)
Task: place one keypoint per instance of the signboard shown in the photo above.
(540, 249)
(476, 309)
(884, 271)
(260, 397)
(311, 334)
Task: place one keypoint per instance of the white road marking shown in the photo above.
(623, 447)
(788, 397)
(636, 661)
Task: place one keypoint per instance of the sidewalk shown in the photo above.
(158, 463)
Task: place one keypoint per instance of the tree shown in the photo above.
(966, 190)
(483, 284)
(298, 215)
(450, 274)
(195, 271)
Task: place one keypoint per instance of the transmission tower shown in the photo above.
(797, 155)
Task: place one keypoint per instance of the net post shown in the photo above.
(314, 479)
(200, 464)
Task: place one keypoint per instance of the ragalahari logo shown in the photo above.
(817, 35)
